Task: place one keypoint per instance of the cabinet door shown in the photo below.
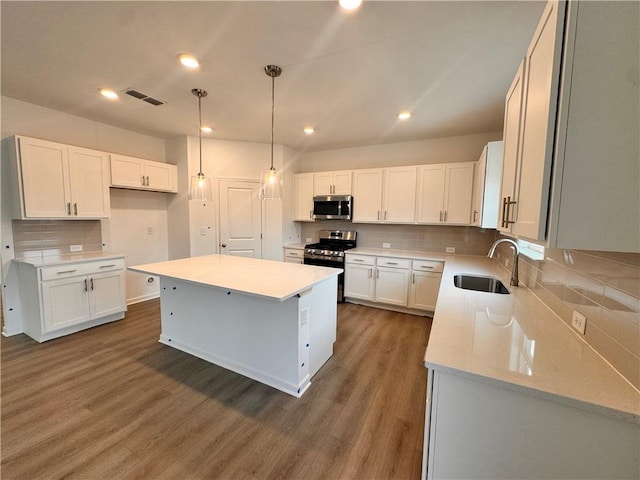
(392, 285)
(342, 182)
(542, 76)
(478, 188)
(511, 138)
(359, 281)
(160, 176)
(65, 302)
(367, 195)
(399, 197)
(303, 197)
(424, 290)
(323, 183)
(458, 192)
(127, 172)
(45, 178)
(89, 180)
(431, 193)
(107, 293)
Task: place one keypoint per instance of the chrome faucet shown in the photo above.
(516, 253)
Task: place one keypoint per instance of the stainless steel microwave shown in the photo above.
(332, 207)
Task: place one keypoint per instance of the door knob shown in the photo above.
(224, 245)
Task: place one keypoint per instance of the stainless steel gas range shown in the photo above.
(329, 252)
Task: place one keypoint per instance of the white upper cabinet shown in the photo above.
(445, 193)
(596, 180)
(58, 181)
(332, 183)
(303, 197)
(399, 195)
(384, 195)
(140, 174)
(367, 195)
(486, 186)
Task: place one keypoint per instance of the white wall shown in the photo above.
(465, 148)
(131, 212)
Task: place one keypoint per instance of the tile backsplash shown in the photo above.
(604, 287)
(54, 237)
(432, 238)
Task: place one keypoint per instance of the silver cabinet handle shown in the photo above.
(385, 214)
(147, 180)
(475, 216)
(370, 273)
(391, 263)
(91, 283)
(65, 271)
(507, 205)
(85, 285)
(377, 273)
(143, 181)
(413, 278)
(445, 215)
(75, 209)
(378, 214)
(108, 266)
(358, 260)
(440, 215)
(310, 213)
(69, 208)
(424, 266)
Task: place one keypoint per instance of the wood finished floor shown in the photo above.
(111, 402)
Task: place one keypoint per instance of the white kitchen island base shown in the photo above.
(278, 329)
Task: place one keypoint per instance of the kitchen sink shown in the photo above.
(480, 284)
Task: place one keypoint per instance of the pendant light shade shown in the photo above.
(271, 180)
(200, 186)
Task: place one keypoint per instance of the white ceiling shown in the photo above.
(347, 74)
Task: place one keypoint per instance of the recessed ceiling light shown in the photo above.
(404, 115)
(309, 130)
(108, 93)
(188, 60)
(350, 4)
(206, 129)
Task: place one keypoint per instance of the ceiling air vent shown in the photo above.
(144, 97)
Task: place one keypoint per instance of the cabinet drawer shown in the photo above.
(84, 268)
(394, 262)
(427, 266)
(360, 259)
(289, 252)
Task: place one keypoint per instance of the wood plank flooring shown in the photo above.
(111, 402)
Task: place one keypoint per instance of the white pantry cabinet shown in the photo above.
(486, 186)
(445, 193)
(384, 195)
(303, 197)
(332, 183)
(65, 298)
(139, 174)
(58, 181)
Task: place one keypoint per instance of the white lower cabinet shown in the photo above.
(425, 284)
(63, 299)
(359, 277)
(397, 282)
(293, 255)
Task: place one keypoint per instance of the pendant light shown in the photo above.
(200, 187)
(272, 183)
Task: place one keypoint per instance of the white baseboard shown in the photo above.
(143, 298)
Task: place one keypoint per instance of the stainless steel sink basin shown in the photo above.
(480, 284)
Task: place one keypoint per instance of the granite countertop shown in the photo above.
(250, 276)
(517, 342)
(49, 260)
(389, 252)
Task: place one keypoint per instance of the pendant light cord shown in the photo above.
(200, 130)
(273, 102)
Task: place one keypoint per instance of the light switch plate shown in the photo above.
(203, 231)
(579, 322)
(386, 245)
(75, 248)
(450, 249)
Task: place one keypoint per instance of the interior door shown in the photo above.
(240, 218)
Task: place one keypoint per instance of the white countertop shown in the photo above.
(250, 276)
(516, 341)
(389, 252)
(48, 260)
(294, 246)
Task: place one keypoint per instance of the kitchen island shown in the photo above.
(271, 321)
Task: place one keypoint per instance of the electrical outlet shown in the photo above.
(75, 248)
(149, 230)
(579, 322)
(203, 231)
(309, 240)
(386, 245)
(450, 249)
